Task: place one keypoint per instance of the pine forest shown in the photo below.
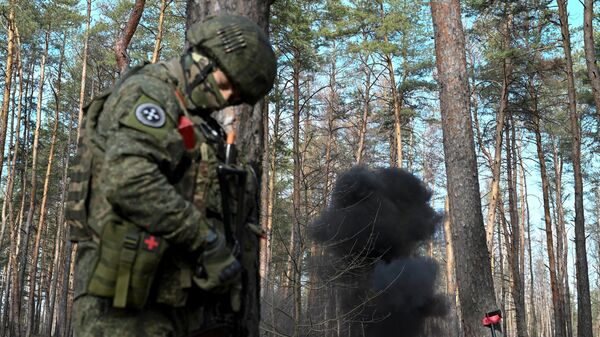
(424, 165)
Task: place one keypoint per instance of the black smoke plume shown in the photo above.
(376, 220)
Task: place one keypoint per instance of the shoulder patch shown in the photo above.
(149, 117)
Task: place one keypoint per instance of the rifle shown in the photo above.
(232, 177)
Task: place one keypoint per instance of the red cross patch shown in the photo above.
(151, 242)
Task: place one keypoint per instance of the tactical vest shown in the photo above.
(125, 269)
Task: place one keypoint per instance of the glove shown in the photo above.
(220, 270)
(235, 297)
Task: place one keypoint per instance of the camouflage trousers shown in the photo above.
(96, 317)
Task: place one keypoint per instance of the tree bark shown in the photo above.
(10, 46)
(584, 306)
(250, 139)
(473, 273)
(590, 52)
(127, 34)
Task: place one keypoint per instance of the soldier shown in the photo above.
(153, 204)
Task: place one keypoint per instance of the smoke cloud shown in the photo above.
(376, 220)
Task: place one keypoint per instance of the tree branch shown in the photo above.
(126, 35)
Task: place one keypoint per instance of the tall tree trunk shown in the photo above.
(30, 214)
(15, 235)
(126, 35)
(84, 67)
(294, 262)
(269, 200)
(23, 230)
(366, 93)
(559, 319)
(250, 138)
(330, 314)
(513, 243)
(7, 217)
(501, 229)
(10, 46)
(562, 244)
(590, 52)
(11, 144)
(411, 142)
(68, 251)
(518, 167)
(584, 306)
(37, 312)
(42, 219)
(500, 121)
(4, 322)
(52, 293)
(159, 34)
(61, 268)
(362, 134)
(67, 302)
(265, 202)
(473, 273)
(395, 101)
(451, 289)
(332, 108)
(533, 321)
(518, 170)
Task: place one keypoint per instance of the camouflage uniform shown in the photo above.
(147, 207)
(148, 178)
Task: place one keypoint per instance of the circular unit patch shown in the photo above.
(150, 115)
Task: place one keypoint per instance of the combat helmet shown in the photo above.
(241, 49)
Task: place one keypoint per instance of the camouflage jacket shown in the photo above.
(151, 178)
